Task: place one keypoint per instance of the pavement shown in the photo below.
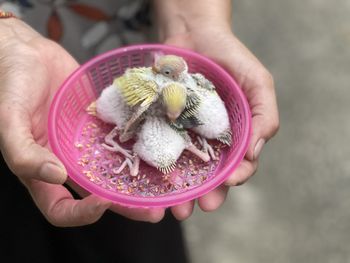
(297, 206)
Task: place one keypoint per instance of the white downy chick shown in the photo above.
(160, 146)
(112, 108)
(206, 113)
(212, 112)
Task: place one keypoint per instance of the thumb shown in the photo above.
(265, 121)
(26, 158)
(258, 86)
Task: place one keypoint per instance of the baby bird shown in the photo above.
(212, 114)
(205, 112)
(160, 146)
(170, 66)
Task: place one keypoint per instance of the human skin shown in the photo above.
(205, 27)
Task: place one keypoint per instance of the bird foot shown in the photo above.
(207, 148)
(111, 145)
(134, 169)
(193, 149)
(133, 166)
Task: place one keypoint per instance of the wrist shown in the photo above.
(187, 17)
(180, 26)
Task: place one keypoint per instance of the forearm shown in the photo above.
(183, 16)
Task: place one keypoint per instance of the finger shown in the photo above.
(260, 93)
(244, 171)
(258, 86)
(59, 207)
(153, 215)
(24, 156)
(183, 211)
(214, 199)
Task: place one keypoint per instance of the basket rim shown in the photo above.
(159, 201)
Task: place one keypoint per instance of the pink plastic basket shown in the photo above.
(75, 136)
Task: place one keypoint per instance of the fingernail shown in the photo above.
(50, 169)
(258, 147)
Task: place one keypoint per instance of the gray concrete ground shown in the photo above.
(297, 207)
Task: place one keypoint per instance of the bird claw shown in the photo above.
(131, 159)
(133, 166)
(117, 148)
(127, 162)
(199, 139)
(109, 137)
(207, 148)
(193, 149)
(134, 169)
(113, 146)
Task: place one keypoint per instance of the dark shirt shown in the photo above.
(26, 236)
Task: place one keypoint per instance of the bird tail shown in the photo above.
(166, 169)
(91, 109)
(226, 137)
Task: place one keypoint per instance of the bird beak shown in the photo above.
(173, 116)
(155, 69)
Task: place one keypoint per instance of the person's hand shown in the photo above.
(219, 44)
(205, 27)
(31, 69)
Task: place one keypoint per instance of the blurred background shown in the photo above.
(297, 206)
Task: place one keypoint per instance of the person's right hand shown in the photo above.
(31, 69)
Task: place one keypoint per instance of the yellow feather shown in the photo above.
(135, 89)
(174, 97)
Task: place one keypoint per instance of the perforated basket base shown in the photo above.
(100, 165)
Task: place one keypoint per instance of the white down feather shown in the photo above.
(212, 113)
(158, 144)
(111, 108)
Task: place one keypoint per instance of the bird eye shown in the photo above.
(167, 72)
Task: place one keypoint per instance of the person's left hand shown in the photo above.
(219, 44)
